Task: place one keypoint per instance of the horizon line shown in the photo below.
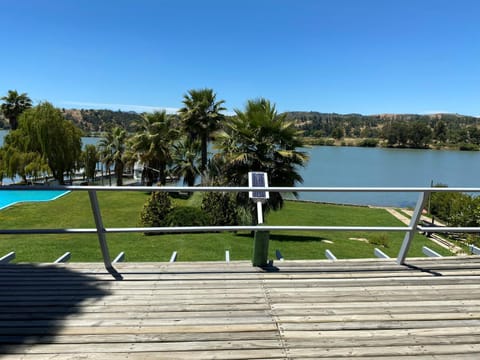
(173, 110)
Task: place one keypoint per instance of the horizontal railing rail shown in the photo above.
(241, 188)
(192, 229)
(101, 230)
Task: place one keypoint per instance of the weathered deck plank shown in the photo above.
(366, 308)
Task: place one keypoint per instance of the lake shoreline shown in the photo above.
(348, 166)
(355, 142)
(344, 142)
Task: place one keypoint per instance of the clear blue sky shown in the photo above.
(364, 56)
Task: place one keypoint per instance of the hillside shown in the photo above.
(439, 131)
(94, 121)
(323, 124)
(402, 130)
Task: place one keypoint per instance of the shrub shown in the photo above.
(221, 208)
(468, 147)
(244, 216)
(187, 216)
(156, 209)
(473, 239)
(457, 209)
(368, 143)
(379, 240)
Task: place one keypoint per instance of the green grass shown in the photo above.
(123, 209)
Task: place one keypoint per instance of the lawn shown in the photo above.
(123, 209)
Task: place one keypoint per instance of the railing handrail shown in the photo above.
(101, 231)
(239, 188)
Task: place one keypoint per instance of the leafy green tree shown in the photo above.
(13, 105)
(420, 135)
(337, 133)
(186, 160)
(24, 164)
(112, 149)
(440, 131)
(396, 133)
(44, 137)
(90, 159)
(473, 135)
(201, 117)
(457, 209)
(260, 139)
(153, 141)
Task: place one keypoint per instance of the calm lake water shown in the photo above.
(379, 167)
(369, 167)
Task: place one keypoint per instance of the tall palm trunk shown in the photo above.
(119, 172)
(204, 156)
(162, 174)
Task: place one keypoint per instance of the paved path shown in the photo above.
(437, 239)
(398, 215)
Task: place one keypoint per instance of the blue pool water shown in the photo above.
(10, 197)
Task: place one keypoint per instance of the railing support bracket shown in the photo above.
(102, 238)
(412, 228)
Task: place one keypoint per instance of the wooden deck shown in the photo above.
(307, 309)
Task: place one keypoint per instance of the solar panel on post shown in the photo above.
(258, 179)
(261, 238)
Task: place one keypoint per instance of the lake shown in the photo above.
(380, 167)
(370, 167)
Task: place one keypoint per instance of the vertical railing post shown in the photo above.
(260, 248)
(412, 228)
(260, 241)
(102, 238)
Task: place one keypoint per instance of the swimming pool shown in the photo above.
(11, 197)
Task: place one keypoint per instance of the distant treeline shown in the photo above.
(395, 130)
(94, 121)
(399, 130)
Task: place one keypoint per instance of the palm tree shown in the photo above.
(112, 149)
(13, 105)
(260, 139)
(185, 160)
(90, 158)
(153, 144)
(201, 117)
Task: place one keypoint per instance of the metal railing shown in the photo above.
(101, 230)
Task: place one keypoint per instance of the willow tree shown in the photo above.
(42, 130)
(13, 105)
(2, 165)
(23, 164)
